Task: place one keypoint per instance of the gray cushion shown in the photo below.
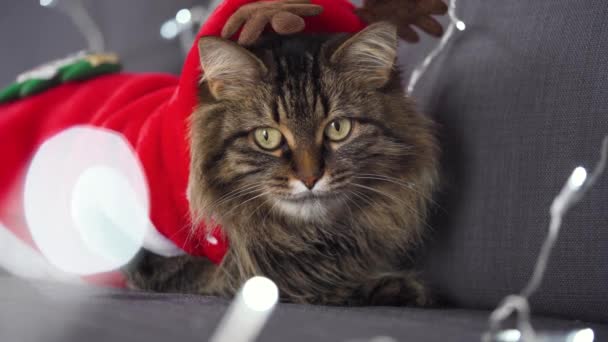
(58, 313)
(522, 100)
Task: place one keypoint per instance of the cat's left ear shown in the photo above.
(229, 69)
(369, 55)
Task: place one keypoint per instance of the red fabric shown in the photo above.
(151, 111)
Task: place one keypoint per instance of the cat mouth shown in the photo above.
(308, 197)
(307, 205)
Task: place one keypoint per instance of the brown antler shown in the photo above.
(285, 16)
(404, 14)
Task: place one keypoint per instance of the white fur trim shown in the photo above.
(157, 243)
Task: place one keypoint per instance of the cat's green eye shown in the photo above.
(339, 129)
(268, 138)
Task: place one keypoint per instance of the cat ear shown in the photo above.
(228, 69)
(370, 54)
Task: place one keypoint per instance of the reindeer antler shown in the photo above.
(285, 17)
(404, 14)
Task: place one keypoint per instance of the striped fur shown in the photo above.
(349, 244)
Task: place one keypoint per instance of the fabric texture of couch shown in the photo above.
(61, 313)
(522, 100)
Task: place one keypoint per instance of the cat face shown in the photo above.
(304, 127)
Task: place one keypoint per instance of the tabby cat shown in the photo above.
(317, 167)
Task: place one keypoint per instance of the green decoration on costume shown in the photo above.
(35, 86)
(10, 93)
(77, 67)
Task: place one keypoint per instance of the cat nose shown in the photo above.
(308, 167)
(309, 181)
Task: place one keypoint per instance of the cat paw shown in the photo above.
(397, 290)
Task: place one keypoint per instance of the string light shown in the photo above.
(46, 3)
(585, 335)
(455, 23)
(186, 19)
(249, 311)
(183, 16)
(169, 30)
(572, 192)
(83, 21)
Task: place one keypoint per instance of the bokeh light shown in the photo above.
(183, 16)
(584, 335)
(579, 175)
(260, 293)
(86, 201)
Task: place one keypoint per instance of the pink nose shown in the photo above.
(309, 181)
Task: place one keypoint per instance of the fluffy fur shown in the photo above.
(345, 240)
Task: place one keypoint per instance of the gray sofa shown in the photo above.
(521, 98)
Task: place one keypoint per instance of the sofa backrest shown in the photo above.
(522, 99)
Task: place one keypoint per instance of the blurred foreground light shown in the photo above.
(585, 335)
(86, 201)
(383, 339)
(249, 312)
(107, 214)
(183, 16)
(260, 293)
(510, 335)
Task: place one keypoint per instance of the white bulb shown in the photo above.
(585, 335)
(46, 3)
(183, 16)
(578, 177)
(383, 339)
(169, 30)
(510, 335)
(107, 214)
(260, 293)
(86, 200)
(460, 25)
(249, 312)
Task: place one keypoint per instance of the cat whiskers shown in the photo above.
(269, 212)
(396, 199)
(258, 208)
(233, 195)
(366, 200)
(397, 181)
(247, 201)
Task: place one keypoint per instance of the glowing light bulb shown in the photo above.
(578, 177)
(249, 312)
(169, 30)
(510, 335)
(46, 3)
(183, 16)
(107, 215)
(260, 293)
(460, 25)
(86, 201)
(585, 335)
(383, 339)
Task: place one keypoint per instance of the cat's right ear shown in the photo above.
(229, 69)
(370, 55)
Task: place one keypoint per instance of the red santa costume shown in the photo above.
(151, 112)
